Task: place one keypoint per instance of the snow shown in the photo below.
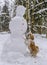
(37, 1)
(45, 0)
(3, 40)
(1, 0)
(4, 0)
(26, 59)
(1, 4)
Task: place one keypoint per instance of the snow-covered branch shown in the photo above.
(39, 4)
(42, 26)
(39, 11)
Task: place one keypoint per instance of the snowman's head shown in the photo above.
(18, 26)
(20, 11)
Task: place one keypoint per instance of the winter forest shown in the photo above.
(23, 32)
(38, 14)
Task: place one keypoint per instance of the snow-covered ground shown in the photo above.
(26, 59)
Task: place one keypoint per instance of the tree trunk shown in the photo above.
(46, 33)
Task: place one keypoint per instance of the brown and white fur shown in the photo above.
(31, 45)
(33, 49)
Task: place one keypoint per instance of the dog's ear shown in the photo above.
(37, 48)
(31, 36)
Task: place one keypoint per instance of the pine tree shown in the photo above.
(15, 5)
(0, 23)
(5, 18)
(38, 14)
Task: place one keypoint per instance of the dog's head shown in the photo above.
(30, 36)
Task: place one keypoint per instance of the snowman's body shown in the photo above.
(18, 28)
(16, 43)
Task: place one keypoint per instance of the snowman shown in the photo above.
(15, 46)
(18, 27)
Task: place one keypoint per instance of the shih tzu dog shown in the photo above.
(33, 49)
(31, 45)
